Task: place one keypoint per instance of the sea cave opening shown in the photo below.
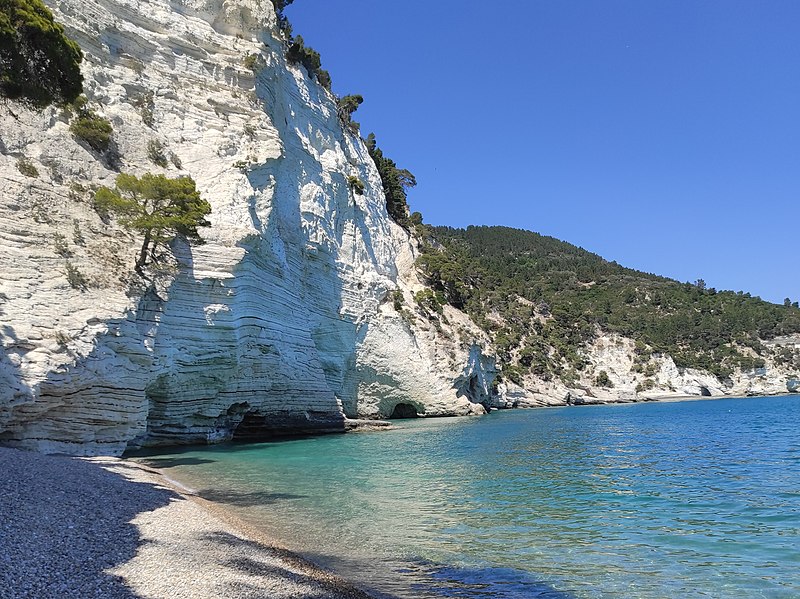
(252, 427)
(404, 410)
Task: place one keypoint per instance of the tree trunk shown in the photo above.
(140, 262)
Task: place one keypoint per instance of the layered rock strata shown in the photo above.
(285, 319)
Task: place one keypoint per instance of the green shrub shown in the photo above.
(145, 103)
(283, 22)
(281, 4)
(347, 105)
(602, 380)
(299, 53)
(77, 235)
(40, 65)
(253, 62)
(395, 182)
(356, 184)
(397, 299)
(60, 245)
(75, 277)
(27, 168)
(155, 152)
(429, 301)
(92, 129)
(645, 385)
(416, 226)
(324, 79)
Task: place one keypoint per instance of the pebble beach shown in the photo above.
(106, 527)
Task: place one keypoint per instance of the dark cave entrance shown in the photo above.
(404, 410)
(252, 427)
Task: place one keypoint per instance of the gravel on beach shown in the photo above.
(112, 529)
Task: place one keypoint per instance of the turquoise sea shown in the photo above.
(667, 500)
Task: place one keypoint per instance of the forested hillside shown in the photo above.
(543, 300)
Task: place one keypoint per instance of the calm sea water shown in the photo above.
(667, 500)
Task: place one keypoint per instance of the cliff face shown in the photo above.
(629, 381)
(282, 320)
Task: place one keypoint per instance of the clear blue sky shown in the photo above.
(663, 134)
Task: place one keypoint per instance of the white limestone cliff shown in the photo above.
(281, 320)
(644, 378)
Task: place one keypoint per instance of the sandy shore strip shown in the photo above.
(110, 528)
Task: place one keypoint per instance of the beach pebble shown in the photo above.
(111, 529)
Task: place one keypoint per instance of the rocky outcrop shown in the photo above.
(280, 322)
(633, 376)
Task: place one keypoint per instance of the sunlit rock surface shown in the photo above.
(280, 321)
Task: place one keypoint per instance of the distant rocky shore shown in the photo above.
(112, 529)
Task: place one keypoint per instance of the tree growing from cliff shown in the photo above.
(156, 206)
(39, 65)
(395, 183)
(281, 4)
(299, 53)
(345, 107)
(283, 22)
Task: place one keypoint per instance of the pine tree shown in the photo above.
(156, 206)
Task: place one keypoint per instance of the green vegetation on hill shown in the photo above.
(542, 300)
(39, 65)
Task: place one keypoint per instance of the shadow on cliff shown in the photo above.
(10, 374)
(66, 523)
(313, 214)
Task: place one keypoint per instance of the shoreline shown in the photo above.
(671, 398)
(113, 528)
(666, 398)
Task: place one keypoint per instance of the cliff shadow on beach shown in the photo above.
(65, 523)
(72, 527)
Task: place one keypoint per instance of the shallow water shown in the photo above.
(688, 499)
